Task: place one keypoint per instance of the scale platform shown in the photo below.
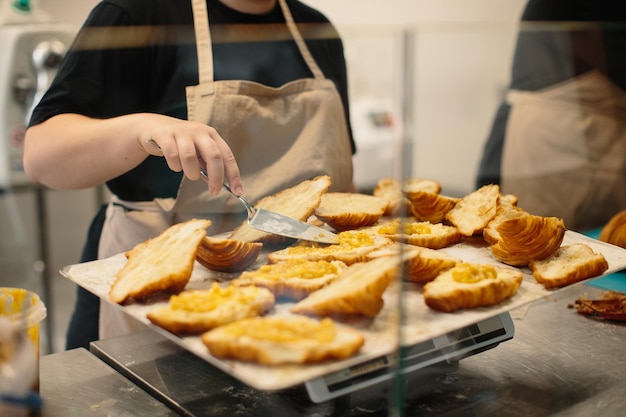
(451, 346)
(191, 386)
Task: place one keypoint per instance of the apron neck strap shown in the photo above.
(204, 43)
(304, 50)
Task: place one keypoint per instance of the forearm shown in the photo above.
(71, 151)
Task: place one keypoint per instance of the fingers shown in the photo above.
(190, 147)
(231, 169)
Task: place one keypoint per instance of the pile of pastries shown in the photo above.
(393, 233)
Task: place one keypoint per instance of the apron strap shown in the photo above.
(205, 51)
(304, 50)
(203, 46)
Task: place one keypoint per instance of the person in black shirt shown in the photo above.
(126, 85)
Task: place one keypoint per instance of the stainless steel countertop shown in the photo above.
(77, 383)
(558, 364)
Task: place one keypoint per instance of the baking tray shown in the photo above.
(419, 323)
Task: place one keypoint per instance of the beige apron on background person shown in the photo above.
(280, 137)
(564, 151)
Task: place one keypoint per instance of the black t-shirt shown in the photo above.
(139, 55)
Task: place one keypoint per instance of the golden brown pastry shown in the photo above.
(393, 190)
(197, 311)
(283, 340)
(614, 232)
(163, 263)
(569, 264)
(506, 209)
(348, 211)
(353, 246)
(299, 202)
(420, 264)
(357, 291)
(471, 285)
(227, 255)
(528, 238)
(294, 279)
(430, 207)
(425, 234)
(472, 213)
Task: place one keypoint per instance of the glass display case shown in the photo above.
(425, 100)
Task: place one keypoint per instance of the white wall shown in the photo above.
(461, 58)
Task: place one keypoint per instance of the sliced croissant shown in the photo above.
(393, 192)
(430, 207)
(506, 209)
(227, 255)
(472, 213)
(349, 211)
(357, 291)
(471, 285)
(353, 247)
(569, 264)
(527, 238)
(280, 340)
(197, 311)
(294, 279)
(424, 234)
(614, 231)
(163, 263)
(421, 265)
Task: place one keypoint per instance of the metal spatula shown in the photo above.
(280, 224)
(272, 222)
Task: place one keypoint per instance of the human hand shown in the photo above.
(195, 149)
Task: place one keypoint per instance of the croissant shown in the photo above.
(283, 340)
(430, 207)
(393, 192)
(471, 285)
(506, 209)
(472, 213)
(527, 238)
(421, 265)
(227, 255)
(614, 231)
(349, 211)
(567, 265)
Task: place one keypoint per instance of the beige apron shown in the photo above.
(564, 152)
(279, 136)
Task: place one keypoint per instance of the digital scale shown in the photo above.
(191, 386)
(449, 347)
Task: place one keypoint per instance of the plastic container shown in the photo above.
(21, 314)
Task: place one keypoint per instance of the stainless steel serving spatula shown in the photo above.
(280, 224)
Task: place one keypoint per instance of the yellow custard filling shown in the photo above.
(470, 273)
(203, 301)
(296, 268)
(346, 240)
(408, 228)
(284, 330)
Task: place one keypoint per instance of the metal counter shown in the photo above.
(558, 364)
(77, 383)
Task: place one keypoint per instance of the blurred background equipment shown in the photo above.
(31, 49)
